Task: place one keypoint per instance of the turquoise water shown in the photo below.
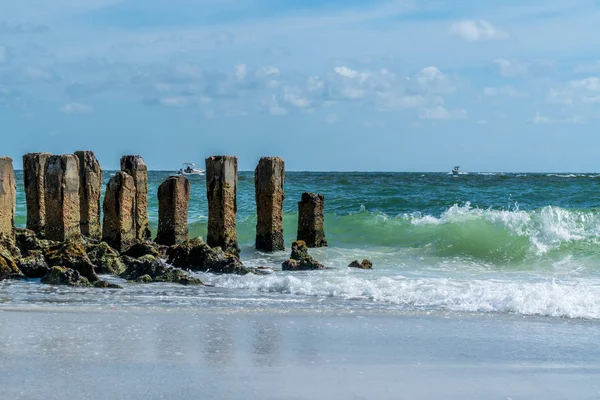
(502, 243)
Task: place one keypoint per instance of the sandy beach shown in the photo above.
(137, 353)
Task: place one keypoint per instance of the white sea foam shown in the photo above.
(571, 298)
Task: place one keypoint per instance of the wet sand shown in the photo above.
(152, 353)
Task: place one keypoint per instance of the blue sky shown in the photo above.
(395, 85)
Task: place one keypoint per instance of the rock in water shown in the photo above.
(141, 249)
(34, 166)
(151, 269)
(72, 255)
(106, 259)
(311, 220)
(8, 196)
(269, 177)
(90, 187)
(118, 229)
(221, 192)
(196, 255)
(300, 260)
(137, 169)
(365, 264)
(173, 200)
(61, 182)
(34, 265)
(65, 276)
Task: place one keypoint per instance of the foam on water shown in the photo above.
(568, 298)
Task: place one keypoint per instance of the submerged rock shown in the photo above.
(300, 260)
(151, 269)
(107, 285)
(365, 264)
(106, 259)
(196, 255)
(65, 276)
(72, 255)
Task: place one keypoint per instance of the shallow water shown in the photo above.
(525, 244)
(231, 353)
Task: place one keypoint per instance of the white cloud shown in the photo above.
(351, 73)
(510, 69)
(274, 108)
(502, 91)
(576, 92)
(76, 108)
(294, 98)
(517, 69)
(591, 84)
(173, 101)
(441, 113)
(476, 30)
(542, 120)
(432, 80)
(241, 71)
(346, 72)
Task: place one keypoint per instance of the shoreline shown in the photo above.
(153, 355)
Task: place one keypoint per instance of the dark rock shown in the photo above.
(27, 240)
(151, 269)
(196, 255)
(300, 260)
(8, 266)
(106, 259)
(299, 250)
(107, 285)
(65, 276)
(9, 256)
(34, 265)
(7, 242)
(72, 255)
(365, 264)
(141, 249)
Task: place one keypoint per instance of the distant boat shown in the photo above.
(456, 170)
(189, 168)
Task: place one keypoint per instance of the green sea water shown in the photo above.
(517, 243)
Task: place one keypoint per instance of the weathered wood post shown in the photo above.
(8, 196)
(118, 227)
(311, 217)
(34, 167)
(221, 191)
(90, 187)
(173, 202)
(61, 197)
(269, 177)
(137, 169)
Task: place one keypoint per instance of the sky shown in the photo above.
(329, 85)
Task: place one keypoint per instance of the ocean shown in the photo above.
(495, 274)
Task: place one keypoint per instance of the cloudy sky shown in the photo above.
(391, 85)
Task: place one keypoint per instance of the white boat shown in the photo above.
(456, 170)
(189, 168)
